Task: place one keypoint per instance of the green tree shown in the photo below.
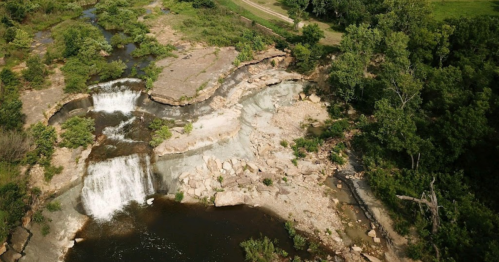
(312, 34)
(112, 70)
(22, 39)
(297, 11)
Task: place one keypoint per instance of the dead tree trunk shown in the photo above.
(432, 204)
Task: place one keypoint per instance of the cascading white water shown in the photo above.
(117, 132)
(112, 184)
(121, 101)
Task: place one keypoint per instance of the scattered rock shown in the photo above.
(149, 201)
(10, 256)
(79, 240)
(227, 166)
(70, 244)
(229, 198)
(356, 249)
(336, 201)
(377, 240)
(314, 98)
(19, 238)
(244, 181)
(103, 53)
(303, 96)
(339, 186)
(371, 258)
(371, 233)
(3, 248)
(252, 167)
(229, 181)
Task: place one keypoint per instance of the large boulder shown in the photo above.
(19, 238)
(230, 198)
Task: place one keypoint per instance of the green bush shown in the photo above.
(303, 145)
(36, 72)
(299, 242)
(44, 138)
(78, 131)
(290, 227)
(54, 206)
(50, 171)
(267, 181)
(188, 128)
(179, 196)
(112, 70)
(284, 143)
(335, 158)
(335, 129)
(260, 250)
(220, 179)
(45, 230)
(160, 135)
(38, 217)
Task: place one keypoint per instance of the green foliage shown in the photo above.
(201, 3)
(303, 145)
(12, 206)
(220, 179)
(22, 39)
(78, 131)
(38, 217)
(119, 40)
(260, 250)
(179, 196)
(44, 138)
(284, 143)
(54, 206)
(150, 46)
(267, 181)
(335, 129)
(50, 171)
(11, 116)
(45, 230)
(188, 128)
(300, 243)
(290, 227)
(312, 34)
(36, 72)
(336, 158)
(112, 70)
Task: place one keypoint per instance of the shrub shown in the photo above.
(179, 196)
(44, 138)
(299, 242)
(335, 158)
(112, 70)
(284, 143)
(45, 230)
(260, 250)
(220, 179)
(267, 181)
(303, 145)
(50, 171)
(54, 206)
(188, 128)
(160, 135)
(290, 227)
(335, 129)
(77, 132)
(13, 145)
(38, 217)
(36, 72)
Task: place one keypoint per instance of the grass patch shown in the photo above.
(179, 196)
(455, 9)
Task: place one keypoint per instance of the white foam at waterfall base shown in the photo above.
(121, 101)
(114, 183)
(117, 132)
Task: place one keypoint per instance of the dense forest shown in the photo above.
(425, 92)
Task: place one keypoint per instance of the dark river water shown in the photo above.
(169, 231)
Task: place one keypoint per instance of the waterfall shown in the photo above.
(117, 132)
(112, 184)
(122, 101)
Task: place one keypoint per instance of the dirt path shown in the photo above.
(268, 11)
